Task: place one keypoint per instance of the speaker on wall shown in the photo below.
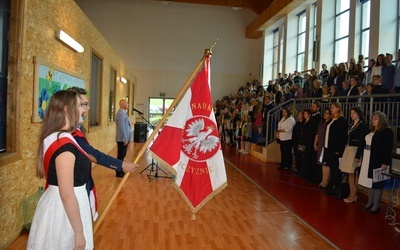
(140, 132)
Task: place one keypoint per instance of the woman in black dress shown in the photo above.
(354, 149)
(298, 155)
(319, 142)
(335, 142)
(306, 144)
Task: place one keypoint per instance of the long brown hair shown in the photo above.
(339, 106)
(382, 123)
(63, 104)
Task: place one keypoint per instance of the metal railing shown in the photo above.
(387, 103)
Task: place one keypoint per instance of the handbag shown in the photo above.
(277, 138)
(301, 148)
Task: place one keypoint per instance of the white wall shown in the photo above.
(163, 43)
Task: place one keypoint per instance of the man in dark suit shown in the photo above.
(344, 91)
(314, 174)
(362, 91)
(353, 89)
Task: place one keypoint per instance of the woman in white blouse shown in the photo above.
(284, 133)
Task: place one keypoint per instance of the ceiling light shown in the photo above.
(236, 7)
(123, 80)
(64, 37)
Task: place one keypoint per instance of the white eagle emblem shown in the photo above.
(198, 140)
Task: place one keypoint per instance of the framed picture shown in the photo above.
(48, 79)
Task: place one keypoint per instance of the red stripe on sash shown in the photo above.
(55, 145)
(80, 134)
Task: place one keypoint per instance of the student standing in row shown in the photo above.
(354, 149)
(377, 154)
(62, 218)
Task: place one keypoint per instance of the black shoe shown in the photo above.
(367, 208)
(373, 211)
(120, 174)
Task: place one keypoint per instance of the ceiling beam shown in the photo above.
(271, 15)
(255, 5)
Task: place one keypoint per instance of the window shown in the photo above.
(275, 54)
(365, 23)
(398, 24)
(342, 20)
(157, 108)
(4, 28)
(95, 93)
(129, 95)
(314, 35)
(111, 97)
(301, 41)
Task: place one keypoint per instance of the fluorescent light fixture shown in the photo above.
(64, 37)
(166, 2)
(123, 80)
(236, 7)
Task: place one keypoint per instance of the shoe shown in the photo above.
(241, 151)
(295, 170)
(350, 201)
(367, 207)
(245, 152)
(286, 168)
(120, 174)
(329, 190)
(373, 211)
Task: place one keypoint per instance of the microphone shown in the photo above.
(139, 112)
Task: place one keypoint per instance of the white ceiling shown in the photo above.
(148, 34)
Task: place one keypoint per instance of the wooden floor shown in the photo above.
(152, 215)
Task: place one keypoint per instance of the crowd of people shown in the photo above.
(324, 147)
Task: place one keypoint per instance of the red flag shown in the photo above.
(189, 143)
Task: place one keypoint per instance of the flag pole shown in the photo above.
(207, 52)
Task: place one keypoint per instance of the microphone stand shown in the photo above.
(153, 166)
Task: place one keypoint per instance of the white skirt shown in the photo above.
(363, 179)
(51, 228)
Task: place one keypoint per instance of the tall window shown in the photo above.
(275, 55)
(95, 93)
(111, 97)
(4, 28)
(314, 35)
(342, 20)
(365, 23)
(301, 41)
(398, 24)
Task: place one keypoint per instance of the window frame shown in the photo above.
(112, 95)
(299, 54)
(13, 134)
(96, 98)
(365, 30)
(275, 53)
(339, 39)
(164, 108)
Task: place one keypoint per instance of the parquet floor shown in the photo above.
(261, 208)
(152, 215)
